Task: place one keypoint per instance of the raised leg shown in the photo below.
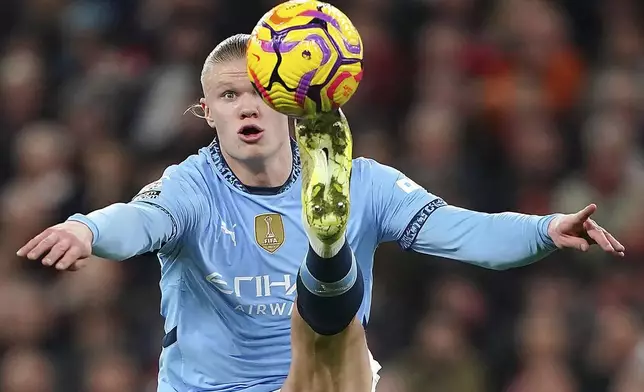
(328, 343)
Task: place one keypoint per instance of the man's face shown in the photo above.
(248, 130)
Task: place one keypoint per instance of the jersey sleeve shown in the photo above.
(401, 206)
(425, 223)
(156, 218)
(494, 241)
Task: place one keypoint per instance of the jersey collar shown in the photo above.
(228, 175)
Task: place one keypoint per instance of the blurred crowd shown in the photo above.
(527, 105)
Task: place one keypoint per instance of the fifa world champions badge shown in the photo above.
(269, 232)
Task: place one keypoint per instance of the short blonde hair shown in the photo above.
(232, 48)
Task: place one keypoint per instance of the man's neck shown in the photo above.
(273, 172)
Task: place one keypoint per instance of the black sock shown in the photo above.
(329, 291)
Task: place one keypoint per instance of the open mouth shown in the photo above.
(250, 130)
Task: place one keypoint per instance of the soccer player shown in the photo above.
(252, 219)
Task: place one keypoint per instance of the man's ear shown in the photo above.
(206, 112)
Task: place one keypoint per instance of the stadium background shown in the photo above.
(501, 105)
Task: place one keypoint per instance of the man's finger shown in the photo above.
(619, 248)
(613, 241)
(70, 258)
(43, 246)
(78, 264)
(600, 238)
(590, 225)
(57, 251)
(574, 243)
(22, 252)
(584, 214)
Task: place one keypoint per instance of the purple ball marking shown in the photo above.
(303, 86)
(323, 16)
(337, 64)
(280, 34)
(319, 40)
(265, 24)
(353, 49)
(284, 47)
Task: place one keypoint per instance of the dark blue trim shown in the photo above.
(170, 338)
(222, 166)
(174, 222)
(410, 233)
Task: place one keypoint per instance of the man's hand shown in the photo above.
(66, 246)
(578, 231)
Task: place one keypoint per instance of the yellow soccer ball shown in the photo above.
(305, 57)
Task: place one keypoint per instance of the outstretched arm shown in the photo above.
(423, 222)
(117, 232)
(121, 231)
(506, 240)
(158, 216)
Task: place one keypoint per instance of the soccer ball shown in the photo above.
(305, 57)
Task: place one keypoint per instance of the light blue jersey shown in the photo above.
(229, 258)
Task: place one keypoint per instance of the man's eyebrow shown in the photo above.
(220, 84)
(227, 83)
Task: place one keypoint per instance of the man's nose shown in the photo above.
(248, 108)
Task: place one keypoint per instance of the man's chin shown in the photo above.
(252, 153)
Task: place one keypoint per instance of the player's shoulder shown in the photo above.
(383, 179)
(183, 178)
(193, 169)
(362, 165)
(372, 169)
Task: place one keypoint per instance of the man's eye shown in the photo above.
(228, 94)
